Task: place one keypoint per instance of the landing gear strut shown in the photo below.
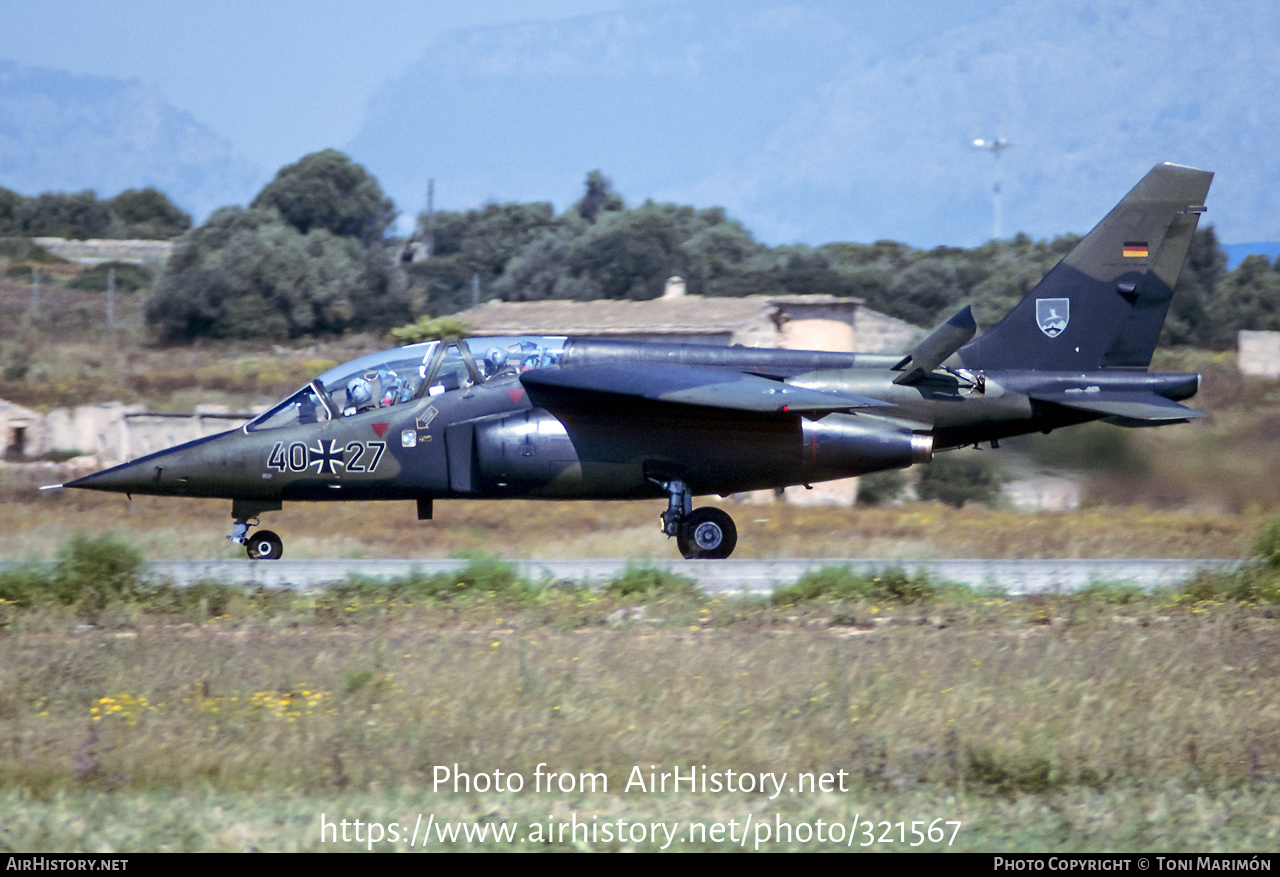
(705, 533)
(262, 545)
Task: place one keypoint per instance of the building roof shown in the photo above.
(680, 315)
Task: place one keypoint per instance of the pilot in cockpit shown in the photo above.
(307, 409)
(359, 397)
(494, 361)
(390, 388)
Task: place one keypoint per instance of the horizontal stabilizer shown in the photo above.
(710, 388)
(937, 348)
(1124, 409)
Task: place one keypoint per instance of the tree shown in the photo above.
(1250, 297)
(927, 291)
(134, 213)
(599, 197)
(149, 214)
(56, 214)
(248, 273)
(327, 190)
(957, 478)
(534, 274)
(627, 254)
(1195, 317)
(9, 204)
(495, 234)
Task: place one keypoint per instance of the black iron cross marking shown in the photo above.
(325, 457)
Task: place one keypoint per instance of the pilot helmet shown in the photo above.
(358, 392)
(495, 359)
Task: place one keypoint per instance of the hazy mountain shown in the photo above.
(65, 132)
(807, 129)
(660, 98)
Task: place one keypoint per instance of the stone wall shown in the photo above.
(881, 333)
(96, 250)
(1259, 353)
(111, 431)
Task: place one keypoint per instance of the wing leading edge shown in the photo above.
(710, 388)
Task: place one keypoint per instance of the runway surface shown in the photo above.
(1013, 577)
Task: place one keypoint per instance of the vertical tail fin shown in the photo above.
(1104, 304)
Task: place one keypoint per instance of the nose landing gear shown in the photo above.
(262, 545)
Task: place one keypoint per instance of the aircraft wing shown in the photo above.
(1124, 409)
(711, 388)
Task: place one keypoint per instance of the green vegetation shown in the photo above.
(647, 582)
(326, 190)
(879, 488)
(1267, 545)
(251, 274)
(961, 477)
(91, 573)
(430, 329)
(25, 251)
(134, 213)
(602, 248)
(128, 277)
(309, 258)
(1102, 721)
(1090, 447)
(842, 583)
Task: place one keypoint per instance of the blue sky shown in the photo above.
(280, 79)
(810, 121)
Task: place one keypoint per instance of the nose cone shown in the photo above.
(186, 470)
(139, 476)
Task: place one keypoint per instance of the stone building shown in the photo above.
(19, 428)
(112, 432)
(1259, 353)
(800, 322)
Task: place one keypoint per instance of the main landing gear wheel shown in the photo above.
(265, 545)
(707, 533)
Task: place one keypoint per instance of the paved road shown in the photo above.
(1014, 577)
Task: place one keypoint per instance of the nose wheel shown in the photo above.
(261, 546)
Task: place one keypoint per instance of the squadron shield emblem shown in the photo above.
(1052, 315)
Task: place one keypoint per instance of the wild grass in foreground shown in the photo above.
(221, 718)
(168, 528)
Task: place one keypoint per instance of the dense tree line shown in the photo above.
(134, 213)
(600, 248)
(310, 255)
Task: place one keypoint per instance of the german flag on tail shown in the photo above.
(1135, 249)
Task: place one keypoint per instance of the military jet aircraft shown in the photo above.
(554, 417)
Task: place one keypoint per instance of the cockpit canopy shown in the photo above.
(393, 377)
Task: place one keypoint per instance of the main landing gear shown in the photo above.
(262, 545)
(705, 533)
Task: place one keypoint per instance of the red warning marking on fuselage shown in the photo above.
(516, 395)
(380, 429)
